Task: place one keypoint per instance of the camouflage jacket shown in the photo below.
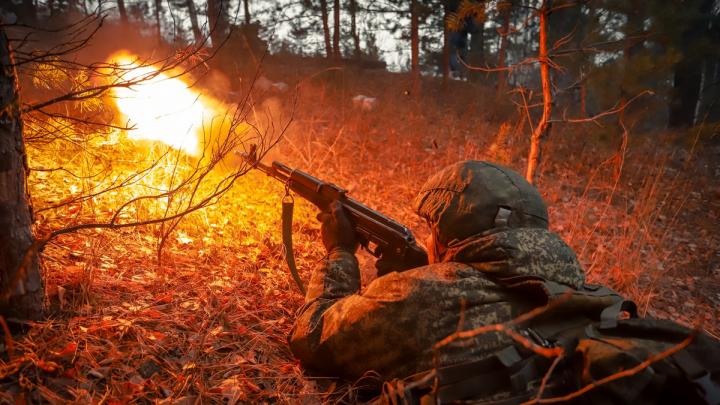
(390, 327)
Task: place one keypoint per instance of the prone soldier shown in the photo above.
(492, 259)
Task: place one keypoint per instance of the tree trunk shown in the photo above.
(21, 290)
(544, 125)
(712, 95)
(687, 78)
(246, 3)
(632, 44)
(446, 46)
(158, 8)
(353, 28)
(192, 11)
(336, 29)
(583, 98)
(122, 11)
(29, 11)
(686, 91)
(414, 47)
(476, 56)
(326, 28)
(218, 21)
(505, 9)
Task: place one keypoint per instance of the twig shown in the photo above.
(622, 374)
(506, 328)
(617, 108)
(9, 343)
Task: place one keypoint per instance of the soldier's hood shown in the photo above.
(520, 252)
(471, 197)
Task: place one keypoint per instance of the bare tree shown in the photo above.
(544, 59)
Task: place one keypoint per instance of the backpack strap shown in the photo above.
(585, 304)
(591, 299)
(609, 316)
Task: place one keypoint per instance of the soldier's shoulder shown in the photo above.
(434, 279)
(440, 272)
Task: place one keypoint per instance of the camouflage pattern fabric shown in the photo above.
(463, 200)
(391, 326)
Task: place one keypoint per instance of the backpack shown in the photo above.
(610, 356)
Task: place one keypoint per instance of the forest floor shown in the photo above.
(208, 323)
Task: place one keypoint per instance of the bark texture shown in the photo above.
(21, 290)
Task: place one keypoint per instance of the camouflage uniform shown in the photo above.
(493, 224)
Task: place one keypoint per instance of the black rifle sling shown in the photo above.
(287, 219)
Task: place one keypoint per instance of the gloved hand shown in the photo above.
(336, 229)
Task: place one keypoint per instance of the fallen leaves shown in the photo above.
(69, 350)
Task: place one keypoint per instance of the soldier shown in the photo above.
(488, 225)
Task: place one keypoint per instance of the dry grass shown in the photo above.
(209, 323)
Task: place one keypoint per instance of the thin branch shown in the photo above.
(621, 374)
(617, 108)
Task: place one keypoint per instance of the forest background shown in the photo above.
(142, 258)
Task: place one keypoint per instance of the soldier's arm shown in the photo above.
(338, 276)
(340, 332)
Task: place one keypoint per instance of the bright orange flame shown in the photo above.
(162, 108)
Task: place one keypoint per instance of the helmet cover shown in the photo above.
(475, 197)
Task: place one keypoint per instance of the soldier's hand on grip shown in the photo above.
(336, 229)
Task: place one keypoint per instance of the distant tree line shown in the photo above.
(603, 50)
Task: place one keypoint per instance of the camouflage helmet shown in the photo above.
(474, 197)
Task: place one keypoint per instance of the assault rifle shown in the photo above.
(386, 239)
